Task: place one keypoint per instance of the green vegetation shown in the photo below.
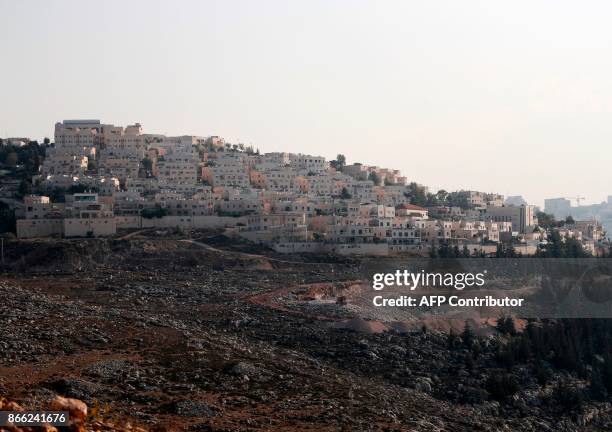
(28, 157)
(7, 218)
(558, 247)
(155, 212)
(345, 194)
(374, 178)
(339, 162)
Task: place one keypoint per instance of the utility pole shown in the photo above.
(2, 249)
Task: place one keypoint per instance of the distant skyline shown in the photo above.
(492, 96)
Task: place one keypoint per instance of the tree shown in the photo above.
(339, 162)
(11, 159)
(155, 212)
(546, 220)
(458, 199)
(373, 176)
(543, 374)
(7, 218)
(452, 340)
(417, 194)
(596, 387)
(505, 325)
(432, 200)
(467, 337)
(441, 197)
(567, 396)
(147, 164)
(501, 387)
(345, 194)
(25, 188)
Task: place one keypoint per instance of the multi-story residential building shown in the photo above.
(178, 167)
(386, 176)
(352, 231)
(227, 169)
(177, 205)
(42, 218)
(522, 217)
(363, 190)
(74, 135)
(87, 216)
(122, 168)
(412, 210)
(83, 215)
(308, 163)
(404, 236)
(129, 203)
(277, 227)
(64, 164)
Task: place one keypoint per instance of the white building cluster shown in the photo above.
(115, 177)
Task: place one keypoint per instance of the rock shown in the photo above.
(193, 408)
(77, 388)
(423, 384)
(77, 408)
(111, 370)
(77, 411)
(250, 371)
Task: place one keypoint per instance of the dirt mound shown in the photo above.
(360, 325)
(404, 326)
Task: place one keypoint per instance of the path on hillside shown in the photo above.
(247, 255)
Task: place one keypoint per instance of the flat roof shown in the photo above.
(86, 121)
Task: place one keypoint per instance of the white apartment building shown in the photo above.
(280, 179)
(177, 205)
(227, 169)
(178, 166)
(73, 135)
(308, 163)
(64, 164)
(277, 227)
(411, 210)
(78, 133)
(118, 166)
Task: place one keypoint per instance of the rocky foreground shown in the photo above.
(168, 334)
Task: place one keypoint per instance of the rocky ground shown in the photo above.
(171, 334)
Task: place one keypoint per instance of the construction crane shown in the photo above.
(577, 199)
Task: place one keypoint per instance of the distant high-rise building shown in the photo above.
(560, 208)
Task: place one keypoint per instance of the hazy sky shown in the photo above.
(512, 97)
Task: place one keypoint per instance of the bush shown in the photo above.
(501, 387)
(543, 374)
(155, 212)
(566, 397)
(505, 325)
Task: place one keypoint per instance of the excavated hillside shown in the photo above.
(182, 334)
